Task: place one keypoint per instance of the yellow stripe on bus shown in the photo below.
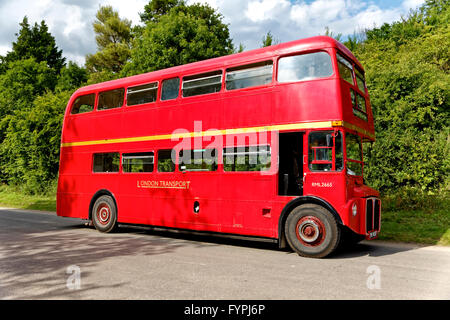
(208, 133)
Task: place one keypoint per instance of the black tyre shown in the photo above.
(104, 214)
(312, 231)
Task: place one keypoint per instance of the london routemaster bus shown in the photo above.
(266, 144)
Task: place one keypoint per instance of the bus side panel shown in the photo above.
(74, 177)
(298, 102)
(247, 206)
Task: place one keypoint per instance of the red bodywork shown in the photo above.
(244, 203)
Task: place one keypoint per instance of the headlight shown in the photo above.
(354, 209)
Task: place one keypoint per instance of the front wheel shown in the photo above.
(104, 214)
(312, 231)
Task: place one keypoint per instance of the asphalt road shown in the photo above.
(43, 256)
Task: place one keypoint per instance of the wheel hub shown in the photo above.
(310, 231)
(103, 214)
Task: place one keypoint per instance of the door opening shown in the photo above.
(290, 170)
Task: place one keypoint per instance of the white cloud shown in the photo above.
(70, 21)
(265, 9)
(412, 4)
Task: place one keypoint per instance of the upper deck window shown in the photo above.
(170, 89)
(142, 94)
(83, 104)
(110, 99)
(360, 80)
(305, 67)
(345, 68)
(354, 154)
(202, 84)
(359, 105)
(252, 75)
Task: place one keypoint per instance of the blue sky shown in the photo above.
(70, 21)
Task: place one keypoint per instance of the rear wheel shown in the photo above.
(312, 231)
(104, 214)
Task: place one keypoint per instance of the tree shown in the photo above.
(182, 35)
(113, 37)
(72, 76)
(37, 43)
(30, 149)
(329, 33)
(268, 40)
(408, 77)
(157, 8)
(22, 82)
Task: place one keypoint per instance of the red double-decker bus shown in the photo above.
(266, 144)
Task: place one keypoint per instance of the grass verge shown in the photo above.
(418, 226)
(14, 198)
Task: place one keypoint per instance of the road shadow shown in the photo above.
(203, 238)
(37, 249)
(373, 248)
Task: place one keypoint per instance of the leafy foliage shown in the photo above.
(30, 148)
(177, 34)
(407, 66)
(113, 37)
(35, 42)
(407, 73)
(268, 40)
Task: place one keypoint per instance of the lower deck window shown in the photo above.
(166, 160)
(137, 162)
(322, 145)
(253, 158)
(198, 160)
(106, 162)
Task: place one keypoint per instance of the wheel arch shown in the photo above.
(98, 194)
(295, 203)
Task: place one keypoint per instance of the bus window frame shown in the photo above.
(222, 159)
(156, 163)
(222, 77)
(184, 169)
(106, 172)
(354, 67)
(333, 152)
(347, 159)
(158, 89)
(243, 65)
(299, 53)
(144, 172)
(95, 93)
(110, 109)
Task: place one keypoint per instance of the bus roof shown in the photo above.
(307, 44)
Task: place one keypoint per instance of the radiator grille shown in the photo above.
(373, 214)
